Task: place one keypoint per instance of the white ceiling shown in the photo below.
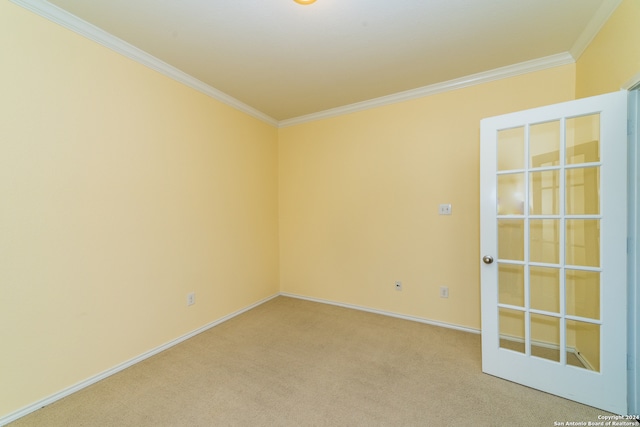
(287, 60)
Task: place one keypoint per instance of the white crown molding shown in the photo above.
(79, 26)
(593, 27)
(122, 366)
(467, 81)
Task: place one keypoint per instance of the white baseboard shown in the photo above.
(384, 313)
(92, 380)
(582, 359)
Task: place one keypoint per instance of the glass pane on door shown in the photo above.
(511, 194)
(583, 242)
(511, 149)
(512, 329)
(583, 191)
(583, 293)
(583, 139)
(583, 341)
(544, 144)
(511, 284)
(545, 337)
(544, 241)
(511, 239)
(544, 192)
(544, 289)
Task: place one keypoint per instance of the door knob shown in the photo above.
(487, 259)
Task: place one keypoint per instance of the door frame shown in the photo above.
(633, 250)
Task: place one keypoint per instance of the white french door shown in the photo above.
(554, 244)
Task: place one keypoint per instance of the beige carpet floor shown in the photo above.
(291, 362)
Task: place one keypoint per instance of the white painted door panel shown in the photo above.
(553, 219)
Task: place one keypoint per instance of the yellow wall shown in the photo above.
(359, 198)
(121, 191)
(613, 57)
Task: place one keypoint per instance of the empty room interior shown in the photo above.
(143, 205)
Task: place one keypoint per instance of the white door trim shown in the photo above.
(633, 304)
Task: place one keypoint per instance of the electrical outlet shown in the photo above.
(398, 286)
(191, 298)
(444, 209)
(444, 292)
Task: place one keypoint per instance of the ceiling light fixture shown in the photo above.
(304, 2)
